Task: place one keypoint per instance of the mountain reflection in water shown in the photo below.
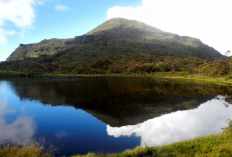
(207, 119)
(78, 115)
(118, 101)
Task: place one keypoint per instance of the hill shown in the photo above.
(116, 39)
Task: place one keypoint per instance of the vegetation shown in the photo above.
(159, 66)
(12, 73)
(34, 50)
(26, 150)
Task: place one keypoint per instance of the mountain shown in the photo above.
(116, 39)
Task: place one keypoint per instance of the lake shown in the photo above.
(107, 114)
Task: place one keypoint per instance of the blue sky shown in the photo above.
(30, 21)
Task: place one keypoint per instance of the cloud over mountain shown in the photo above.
(208, 20)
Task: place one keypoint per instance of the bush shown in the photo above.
(101, 64)
(82, 70)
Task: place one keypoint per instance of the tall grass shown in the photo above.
(26, 150)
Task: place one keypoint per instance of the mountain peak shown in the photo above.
(121, 23)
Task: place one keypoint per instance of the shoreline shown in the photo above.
(226, 80)
(164, 75)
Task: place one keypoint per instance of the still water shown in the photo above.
(81, 115)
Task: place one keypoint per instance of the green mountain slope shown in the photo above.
(117, 39)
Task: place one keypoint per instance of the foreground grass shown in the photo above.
(214, 145)
(26, 150)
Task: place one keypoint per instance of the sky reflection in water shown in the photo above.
(18, 129)
(207, 119)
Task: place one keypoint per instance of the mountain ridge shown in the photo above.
(116, 39)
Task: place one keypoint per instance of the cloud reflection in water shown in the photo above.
(207, 119)
(20, 130)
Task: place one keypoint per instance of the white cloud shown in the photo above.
(40, 2)
(4, 33)
(208, 20)
(60, 7)
(207, 119)
(19, 12)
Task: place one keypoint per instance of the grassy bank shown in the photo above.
(166, 75)
(12, 73)
(227, 79)
(182, 75)
(213, 145)
(217, 71)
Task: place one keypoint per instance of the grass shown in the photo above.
(12, 73)
(182, 75)
(26, 150)
(226, 80)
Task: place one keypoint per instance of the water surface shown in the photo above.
(81, 115)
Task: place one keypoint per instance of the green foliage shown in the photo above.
(139, 67)
(49, 67)
(115, 68)
(189, 66)
(97, 71)
(216, 68)
(12, 73)
(26, 150)
(101, 64)
(82, 70)
(41, 49)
